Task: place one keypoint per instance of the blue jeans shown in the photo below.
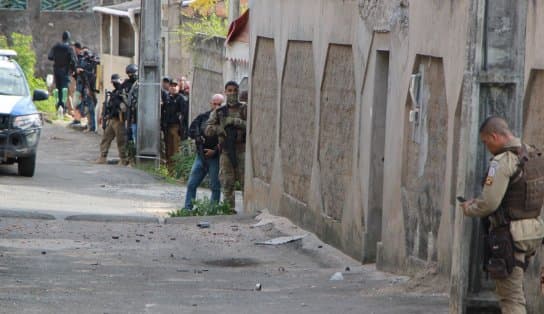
(198, 173)
(134, 128)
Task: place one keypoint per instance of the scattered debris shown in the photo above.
(281, 240)
(203, 224)
(337, 276)
(258, 287)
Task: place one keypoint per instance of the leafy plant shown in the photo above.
(183, 161)
(26, 57)
(209, 26)
(203, 6)
(204, 207)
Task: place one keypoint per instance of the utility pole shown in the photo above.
(148, 139)
(234, 10)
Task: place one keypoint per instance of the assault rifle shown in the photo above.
(199, 142)
(105, 109)
(230, 144)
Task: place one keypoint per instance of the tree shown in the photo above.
(204, 7)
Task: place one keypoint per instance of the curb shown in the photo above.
(214, 219)
(25, 215)
(113, 218)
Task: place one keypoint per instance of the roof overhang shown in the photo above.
(126, 9)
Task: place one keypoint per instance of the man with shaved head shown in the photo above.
(512, 197)
(207, 158)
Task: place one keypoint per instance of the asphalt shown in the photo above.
(68, 183)
(84, 267)
(87, 238)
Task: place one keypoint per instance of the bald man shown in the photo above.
(207, 159)
(512, 205)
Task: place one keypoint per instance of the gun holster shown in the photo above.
(500, 246)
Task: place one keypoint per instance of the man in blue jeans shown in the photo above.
(207, 158)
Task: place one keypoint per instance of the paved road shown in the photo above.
(171, 266)
(67, 182)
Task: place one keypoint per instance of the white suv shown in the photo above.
(20, 121)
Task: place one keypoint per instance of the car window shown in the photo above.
(12, 82)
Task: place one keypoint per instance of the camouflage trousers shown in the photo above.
(228, 175)
(172, 142)
(115, 128)
(510, 289)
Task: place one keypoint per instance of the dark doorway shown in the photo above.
(373, 223)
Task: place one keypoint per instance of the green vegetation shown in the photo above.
(204, 207)
(207, 26)
(26, 57)
(207, 23)
(183, 162)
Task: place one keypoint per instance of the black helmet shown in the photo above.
(131, 69)
(115, 77)
(66, 36)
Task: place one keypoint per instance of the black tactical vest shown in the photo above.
(524, 196)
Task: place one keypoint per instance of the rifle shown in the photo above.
(105, 109)
(230, 144)
(199, 142)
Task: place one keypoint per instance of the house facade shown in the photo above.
(364, 121)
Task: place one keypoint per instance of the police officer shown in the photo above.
(504, 202)
(228, 123)
(113, 122)
(130, 86)
(86, 85)
(172, 118)
(207, 158)
(65, 61)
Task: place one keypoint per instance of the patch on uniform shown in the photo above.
(491, 173)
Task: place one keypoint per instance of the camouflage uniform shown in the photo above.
(234, 118)
(113, 115)
(526, 233)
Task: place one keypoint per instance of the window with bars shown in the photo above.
(13, 4)
(66, 5)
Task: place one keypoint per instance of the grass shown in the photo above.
(204, 207)
(47, 107)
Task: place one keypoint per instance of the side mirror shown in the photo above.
(40, 95)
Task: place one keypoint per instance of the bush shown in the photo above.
(204, 207)
(26, 57)
(183, 161)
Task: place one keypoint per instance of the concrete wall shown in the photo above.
(330, 141)
(46, 29)
(208, 59)
(340, 143)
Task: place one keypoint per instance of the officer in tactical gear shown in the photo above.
(130, 86)
(65, 60)
(511, 200)
(113, 121)
(86, 71)
(172, 117)
(228, 123)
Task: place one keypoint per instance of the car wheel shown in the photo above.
(26, 166)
